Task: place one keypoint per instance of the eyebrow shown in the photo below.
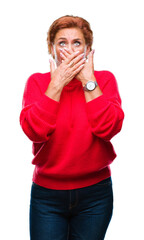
(75, 39)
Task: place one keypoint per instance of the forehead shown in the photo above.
(69, 34)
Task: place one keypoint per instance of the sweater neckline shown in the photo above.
(73, 83)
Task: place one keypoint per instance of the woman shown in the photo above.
(70, 115)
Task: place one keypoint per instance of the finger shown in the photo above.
(79, 59)
(90, 55)
(52, 66)
(76, 71)
(79, 63)
(68, 50)
(72, 56)
(90, 59)
(75, 60)
(63, 57)
(65, 52)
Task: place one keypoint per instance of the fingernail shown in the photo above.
(84, 59)
(61, 54)
(61, 50)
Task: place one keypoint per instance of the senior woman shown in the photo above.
(70, 114)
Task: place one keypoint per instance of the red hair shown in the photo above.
(69, 22)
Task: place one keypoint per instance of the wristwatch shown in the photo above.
(90, 86)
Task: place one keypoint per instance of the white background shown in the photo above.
(119, 47)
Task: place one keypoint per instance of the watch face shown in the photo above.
(90, 85)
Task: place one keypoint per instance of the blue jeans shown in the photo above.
(79, 214)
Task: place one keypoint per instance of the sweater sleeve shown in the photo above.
(39, 112)
(105, 114)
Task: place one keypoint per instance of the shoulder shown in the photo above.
(40, 79)
(105, 77)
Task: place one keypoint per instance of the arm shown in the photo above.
(105, 114)
(39, 113)
(103, 104)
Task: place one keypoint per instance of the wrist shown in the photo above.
(90, 95)
(55, 86)
(90, 84)
(85, 81)
(54, 91)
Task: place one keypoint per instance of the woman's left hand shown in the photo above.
(87, 73)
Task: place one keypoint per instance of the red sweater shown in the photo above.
(71, 138)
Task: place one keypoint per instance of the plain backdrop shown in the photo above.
(118, 28)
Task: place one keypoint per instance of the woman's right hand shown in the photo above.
(67, 70)
(64, 73)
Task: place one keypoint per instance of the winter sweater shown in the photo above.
(71, 138)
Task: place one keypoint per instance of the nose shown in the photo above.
(70, 47)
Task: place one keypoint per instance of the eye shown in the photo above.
(62, 43)
(77, 43)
